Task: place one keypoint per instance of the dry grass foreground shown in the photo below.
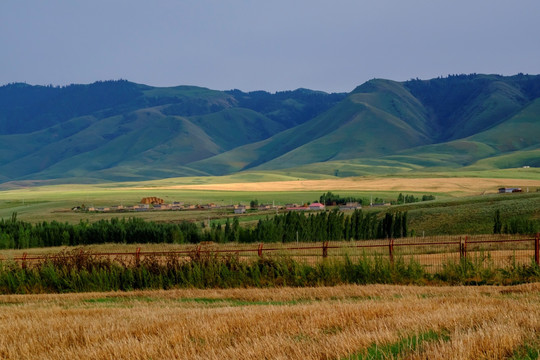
(459, 184)
(283, 323)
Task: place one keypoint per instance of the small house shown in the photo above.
(297, 208)
(240, 210)
(350, 206)
(316, 206)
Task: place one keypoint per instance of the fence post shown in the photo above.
(391, 250)
(325, 249)
(137, 256)
(463, 248)
(259, 250)
(537, 249)
(24, 260)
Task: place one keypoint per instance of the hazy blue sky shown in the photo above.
(267, 45)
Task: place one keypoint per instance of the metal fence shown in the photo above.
(499, 251)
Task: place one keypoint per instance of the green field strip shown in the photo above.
(219, 302)
(529, 350)
(401, 348)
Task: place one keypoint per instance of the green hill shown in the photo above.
(118, 130)
(379, 118)
(384, 127)
(509, 144)
(141, 133)
(464, 105)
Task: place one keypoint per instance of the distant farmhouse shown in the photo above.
(504, 190)
(350, 206)
(314, 206)
(152, 200)
(240, 210)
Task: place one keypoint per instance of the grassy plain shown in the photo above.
(466, 201)
(339, 322)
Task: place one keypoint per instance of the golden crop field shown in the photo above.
(464, 185)
(281, 323)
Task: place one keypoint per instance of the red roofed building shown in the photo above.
(316, 206)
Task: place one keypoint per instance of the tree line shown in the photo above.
(289, 227)
(322, 226)
(330, 199)
(408, 199)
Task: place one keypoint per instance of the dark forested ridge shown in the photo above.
(456, 99)
(119, 130)
(288, 107)
(25, 108)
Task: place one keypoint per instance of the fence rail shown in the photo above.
(498, 251)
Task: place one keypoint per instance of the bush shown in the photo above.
(82, 271)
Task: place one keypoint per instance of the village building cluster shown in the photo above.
(157, 204)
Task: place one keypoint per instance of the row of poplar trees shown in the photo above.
(289, 227)
(322, 226)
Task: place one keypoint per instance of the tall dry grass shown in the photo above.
(446, 247)
(284, 323)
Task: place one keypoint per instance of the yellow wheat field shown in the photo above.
(463, 185)
(283, 323)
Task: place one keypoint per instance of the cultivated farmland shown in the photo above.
(342, 322)
(338, 322)
(461, 185)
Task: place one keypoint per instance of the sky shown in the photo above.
(275, 45)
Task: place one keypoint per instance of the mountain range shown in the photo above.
(122, 131)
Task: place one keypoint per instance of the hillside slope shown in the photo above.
(119, 130)
(144, 133)
(511, 139)
(407, 126)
